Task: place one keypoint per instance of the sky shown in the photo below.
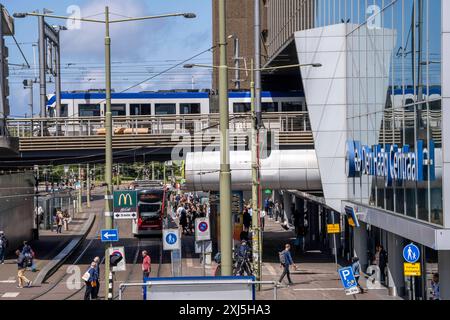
(140, 49)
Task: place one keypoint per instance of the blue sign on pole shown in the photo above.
(347, 277)
(110, 235)
(171, 238)
(411, 253)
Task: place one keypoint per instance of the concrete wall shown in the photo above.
(16, 207)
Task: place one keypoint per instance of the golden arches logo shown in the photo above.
(125, 197)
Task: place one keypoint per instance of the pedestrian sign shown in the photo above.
(333, 228)
(202, 229)
(411, 253)
(347, 278)
(125, 204)
(171, 239)
(411, 269)
(109, 235)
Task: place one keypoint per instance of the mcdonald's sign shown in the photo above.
(125, 201)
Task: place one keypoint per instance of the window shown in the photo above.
(118, 110)
(165, 108)
(269, 107)
(140, 109)
(292, 106)
(241, 107)
(89, 110)
(188, 108)
(64, 110)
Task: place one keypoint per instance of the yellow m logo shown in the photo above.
(125, 198)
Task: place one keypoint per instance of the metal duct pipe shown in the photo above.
(283, 169)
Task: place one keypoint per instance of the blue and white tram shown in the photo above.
(92, 104)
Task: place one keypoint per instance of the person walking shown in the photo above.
(246, 220)
(356, 268)
(59, 221)
(3, 247)
(435, 290)
(22, 264)
(28, 252)
(262, 219)
(96, 288)
(380, 260)
(146, 264)
(286, 261)
(277, 210)
(90, 278)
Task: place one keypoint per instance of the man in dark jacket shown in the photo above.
(247, 220)
(3, 247)
(286, 264)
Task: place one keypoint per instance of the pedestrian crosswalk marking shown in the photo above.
(319, 289)
(10, 294)
(8, 281)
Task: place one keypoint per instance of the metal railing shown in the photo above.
(202, 283)
(151, 125)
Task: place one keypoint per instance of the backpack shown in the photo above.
(282, 257)
(27, 260)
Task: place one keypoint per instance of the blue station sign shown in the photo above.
(391, 162)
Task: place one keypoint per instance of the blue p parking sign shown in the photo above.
(347, 278)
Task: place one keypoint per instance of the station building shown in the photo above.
(377, 109)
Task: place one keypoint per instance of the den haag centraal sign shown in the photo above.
(125, 204)
(391, 162)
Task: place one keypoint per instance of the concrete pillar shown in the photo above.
(360, 244)
(396, 279)
(444, 274)
(287, 201)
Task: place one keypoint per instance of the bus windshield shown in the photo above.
(149, 210)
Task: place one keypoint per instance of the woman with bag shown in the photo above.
(90, 279)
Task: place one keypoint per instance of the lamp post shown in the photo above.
(108, 120)
(225, 233)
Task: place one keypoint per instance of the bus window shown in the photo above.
(165, 108)
(189, 108)
(149, 211)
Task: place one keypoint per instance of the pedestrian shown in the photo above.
(90, 279)
(29, 254)
(59, 221)
(380, 260)
(436, 292)
(356, 268)
(146, 264)
(22, 264)
(285, 262)
(246, 220)
(3, 247)
(277, 210)
(266, 204)
(96, 289)
(262, 219)
(184, 221)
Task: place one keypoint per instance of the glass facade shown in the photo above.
(394, 97)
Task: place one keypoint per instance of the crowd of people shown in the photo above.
(187, 208)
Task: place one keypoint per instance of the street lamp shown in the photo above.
(108, 118)
(256, 239)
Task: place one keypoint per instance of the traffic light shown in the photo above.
(115, 258)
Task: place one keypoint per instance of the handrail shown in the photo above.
(182, 282)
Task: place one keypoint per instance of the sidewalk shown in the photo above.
(47, 248)
(315, 279)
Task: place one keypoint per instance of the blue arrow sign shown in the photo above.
(411, 253)
(347, 278)
(110, 235)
